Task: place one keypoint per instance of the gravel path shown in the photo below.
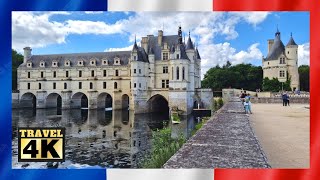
(283, 133)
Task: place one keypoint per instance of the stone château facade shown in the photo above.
(282, 61)
(164, 72)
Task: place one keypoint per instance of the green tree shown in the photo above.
(304, 77)
(274, 85)
(238, 76)
(17, 59)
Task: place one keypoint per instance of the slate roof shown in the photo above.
(189, 43)
(86, 57)
(291, 42)
(277, 48)
(198, 55)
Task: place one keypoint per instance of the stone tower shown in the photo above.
(282, 61)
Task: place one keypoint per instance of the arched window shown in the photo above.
(91, 85)
(39, 85)
(183, 73)
(177, 73)
(117, 72)
(65, 85)
(115, 85)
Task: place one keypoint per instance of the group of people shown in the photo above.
(285, 99)
(245, 98)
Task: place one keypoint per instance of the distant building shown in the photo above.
(163, 72)
(282, 61)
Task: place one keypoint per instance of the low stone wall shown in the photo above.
(294, 100)
(225, 141)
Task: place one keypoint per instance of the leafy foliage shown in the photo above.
(17, 59)
(238, 76)
(304, 77)
(274, 85)
(163, 147)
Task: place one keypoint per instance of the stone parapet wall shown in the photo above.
(297, 100)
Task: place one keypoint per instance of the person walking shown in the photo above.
(288, 99)
(247, 104)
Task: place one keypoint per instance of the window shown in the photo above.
(91, 85)
(65, 86)
(183, 73)
(104, 85)
(177, 73)
(117, 72)
(282, 61)
(115, 85)
(54, 85)
(39, 85)
(139, 71)
(165, 83)
(282, 73)
(80, 73)
(80, 85)
(172, 73)
(67, 73)
(29, 74)
(104, 73)
(288, 52)
(178, 57)
(165, 69)
(28, 85)
(54, 74)
(41, 74)
(135, 85)
(165, 56)
(104, 62)
(139, 85)
(134, 71)
(92, 73)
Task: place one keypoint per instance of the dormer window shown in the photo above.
(54, 64)
(42, 64)
(92, 62)
(80, 63)
(29, 64)
(67, 63)
(116, 61)
(104, 62)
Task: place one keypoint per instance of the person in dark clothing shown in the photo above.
(284, 99)
(288, 99)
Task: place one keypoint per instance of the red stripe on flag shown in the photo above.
(261, 5)
(286, 5)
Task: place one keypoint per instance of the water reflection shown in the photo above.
(113, 139)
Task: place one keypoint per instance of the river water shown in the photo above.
(98, 138)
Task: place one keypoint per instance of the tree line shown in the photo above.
(249, 77)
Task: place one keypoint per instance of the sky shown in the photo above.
(238, 37)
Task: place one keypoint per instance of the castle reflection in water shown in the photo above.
(112, 139)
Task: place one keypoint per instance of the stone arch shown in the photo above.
(79, 100)
(28, 100)
(53, 100)
(158, 103)
(125, 101)
(105, 100)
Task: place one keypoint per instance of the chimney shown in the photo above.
(144, 43)
(270, 43)
(26, 54)
(160, 35)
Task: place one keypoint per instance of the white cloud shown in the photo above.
(93, 12)
(219, 54)
(304, 54)
(129, 48)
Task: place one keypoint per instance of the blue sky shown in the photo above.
(240, 37)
